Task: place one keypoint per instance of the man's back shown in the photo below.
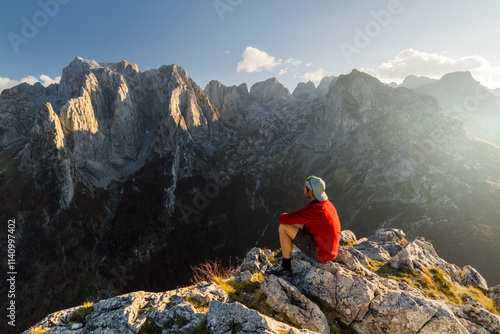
(321, 220)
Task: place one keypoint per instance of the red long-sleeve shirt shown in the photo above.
(321, 220)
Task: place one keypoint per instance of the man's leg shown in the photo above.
(287, 234)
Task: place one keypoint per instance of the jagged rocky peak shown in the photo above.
(304, 89)
(122, 67)
(324, 85)
(123, 115)
(358, 90)
(24, 91)
(73, 76)
(46, 138)
(413, 81)
(228, 100)
(47, 128)
(358, 99)
(269, 89)
(459, 76)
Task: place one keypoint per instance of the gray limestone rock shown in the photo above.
(347, 237)
(304, 90)
(324, 85)
(256, 261)
(374, 251)
(420, 255)
(362, 300)
(471, 277)
(129, 313)
(358, 255)
(268, 89)
(235, 317)
(388, 235)
(341, 289)
(47, 150)
(494, 293)
(229, 101)
(479, 316)
(284, 298)
(353, 259)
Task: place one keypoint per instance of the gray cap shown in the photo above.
(317, 186)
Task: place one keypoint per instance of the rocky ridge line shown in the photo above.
(362, 300)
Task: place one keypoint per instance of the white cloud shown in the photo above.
(6, 83)
(293, 61)
(309, 64)
(315, 75)
(46, 80)
(227, 52)
(283, 71)
(435, 65)
(254, 60)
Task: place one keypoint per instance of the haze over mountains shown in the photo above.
(461, 96)
(119, 180)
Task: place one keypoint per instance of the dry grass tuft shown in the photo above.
(433, 284)
(209, 270)
(37, 330)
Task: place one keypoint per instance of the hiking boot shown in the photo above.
(281, 272)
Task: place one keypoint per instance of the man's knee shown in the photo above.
(284, 227)
(290, 230)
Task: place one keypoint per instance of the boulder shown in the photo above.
(444, 322)
(347, 238)
(420, 255)
(388, 234)
(284, 298)
(349, 294)
(374, 251)
(494, 293)
(396, 312)
(351, 259)
(480, 316)
(131, 312)
(232, 318)
(256, 261)
(471, 277)
(358, 255)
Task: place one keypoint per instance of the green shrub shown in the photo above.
(200, 329)
(82, 312)
(150, 327)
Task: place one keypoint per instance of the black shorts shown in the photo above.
(304, 241)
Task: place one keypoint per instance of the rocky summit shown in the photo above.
(119, 180)
(353, 293)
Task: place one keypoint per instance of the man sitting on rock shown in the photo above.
(315, 229)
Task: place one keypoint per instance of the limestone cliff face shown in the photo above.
(114, 117)
(230, 101)
(46, 150)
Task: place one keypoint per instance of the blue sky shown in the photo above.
(246, 41)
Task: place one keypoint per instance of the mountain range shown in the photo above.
(120, 180)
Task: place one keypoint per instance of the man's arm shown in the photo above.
(299, 217)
